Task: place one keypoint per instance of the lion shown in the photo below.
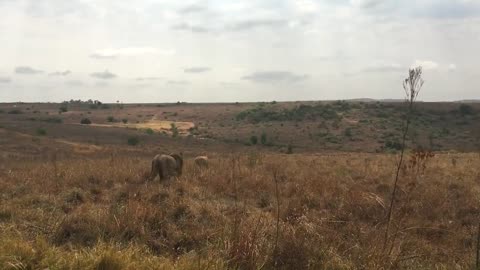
(201, 161)
(167, 166)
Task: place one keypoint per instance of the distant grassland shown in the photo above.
(302, 126)
(101, 213)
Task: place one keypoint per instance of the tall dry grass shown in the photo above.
(104, 214)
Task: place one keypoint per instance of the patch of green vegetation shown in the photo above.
(63, 109)
(174, 130)
(41, 132)
(348, 132)
(465, 110)
(394, 145)
(15, 111)
(149, 131)
(289, 149)
(124, 120)
(302, 112)
(111, 119)
(253, 140)
(133, 140)
(54, 120)
(263, 138)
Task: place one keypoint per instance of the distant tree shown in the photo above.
(63, 109)
(124, 120)
(110, 119)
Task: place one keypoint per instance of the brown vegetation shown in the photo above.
(102, 213)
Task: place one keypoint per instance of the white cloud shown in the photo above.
(366, 3)
(385, 67)
(305, 6)
(26, 70)
(275, 77)
(60, 73)
(105, 75)
(426, 64)
(196, 69)
(131, 51)
(5, 80)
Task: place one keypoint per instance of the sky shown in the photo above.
(229, 51)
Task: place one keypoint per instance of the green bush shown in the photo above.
(395, 145)
(149, 131)
(63, 109)
(299, 113)
(174, 130)
(289, 149)
(124, 120)
(54, 120)
(253, 140)
(15, 111)
(110, 119)
(465, 109)
(41, 132)
(85, 121)
(348, 132)
(133, 140)
(263, 138)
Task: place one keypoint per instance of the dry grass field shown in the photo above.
(102, 213)
(79, 197)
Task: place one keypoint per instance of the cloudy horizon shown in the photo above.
(220, 51)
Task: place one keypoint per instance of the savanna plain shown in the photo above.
(289, 185)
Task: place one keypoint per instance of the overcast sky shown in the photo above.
(217, 50)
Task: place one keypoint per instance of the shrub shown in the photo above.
(133, 140)
(395, 145)
(1, 111)
(124, 120)
(85, 121)
(63, 109)
(263, 138)
(289, 149)
(110, 119)
(55, 120)
(15, 111)
(465, 109)
(253, 140)
(348, 132)
(41, 132)
(149, 131)
(174, 130)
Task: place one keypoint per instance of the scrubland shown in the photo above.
(246, 211)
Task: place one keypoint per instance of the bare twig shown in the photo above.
(477, 263)
(412, 86)
(277, 230)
